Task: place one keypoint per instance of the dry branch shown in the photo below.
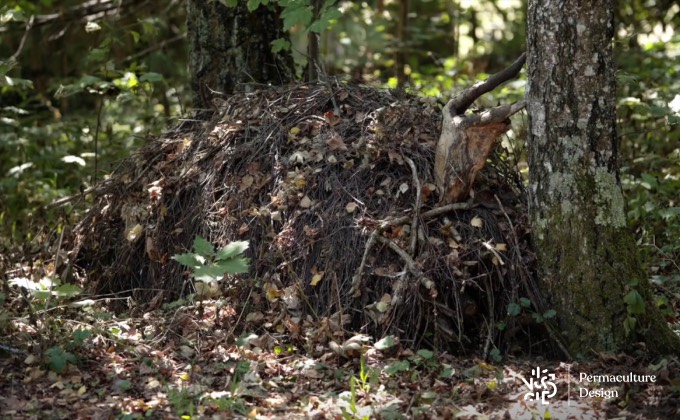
(466, 141)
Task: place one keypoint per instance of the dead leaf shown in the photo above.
(316, 278)
(477, 222)
(134, 233)
(246, 182)
(272, 293)
(350, 207)
(395, 156)
(336, 143)
(306, 202)
(331, 118)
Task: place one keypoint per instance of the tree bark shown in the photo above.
(589, 266)
(230, 48)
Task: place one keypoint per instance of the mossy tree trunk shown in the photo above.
(230, 48)
(590, 270)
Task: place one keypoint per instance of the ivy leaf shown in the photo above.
(231, 250)
(636, 305)
(203, 247)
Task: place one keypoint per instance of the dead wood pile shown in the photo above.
(333, 188)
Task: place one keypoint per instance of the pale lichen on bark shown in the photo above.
(609, 200)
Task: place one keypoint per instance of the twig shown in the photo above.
(429, 214)
(16, 54)
(416, 209)
(56, 267)
(375, 235)
(68, 199)
(462, 102)
(410, 263)
(153, 48)
(356, 279)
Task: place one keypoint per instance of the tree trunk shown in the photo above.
(590, 270)
(230, 47)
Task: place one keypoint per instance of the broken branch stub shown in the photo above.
(466, 141)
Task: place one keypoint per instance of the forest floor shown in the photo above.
(184, 362)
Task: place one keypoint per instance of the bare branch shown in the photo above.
(462, 102)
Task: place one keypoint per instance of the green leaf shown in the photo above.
(232, 249)
(151, 77)
(524, 302)
(425, 354)
(252, 5)
(67, 290)
(550, 313)
(6, 66)
(396, 367)
(385, 343)
(447, 372)
(324, 20)
(190, 260)
(229, 3)
(16, 82)
(209, 273)
(97, 55)
(280, 45)
(13, 14)
(636, 305)
(58, 359)
(514, 309)
(649, 181)
(669, 213)
(234, 265)
(629, 325)
(295, 13)
(203, 247)
(135, 36)
(80, 335)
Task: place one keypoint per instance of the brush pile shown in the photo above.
(332, 185)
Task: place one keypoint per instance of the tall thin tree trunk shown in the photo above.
(400, 57)
(231, 47)
(589, 265)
